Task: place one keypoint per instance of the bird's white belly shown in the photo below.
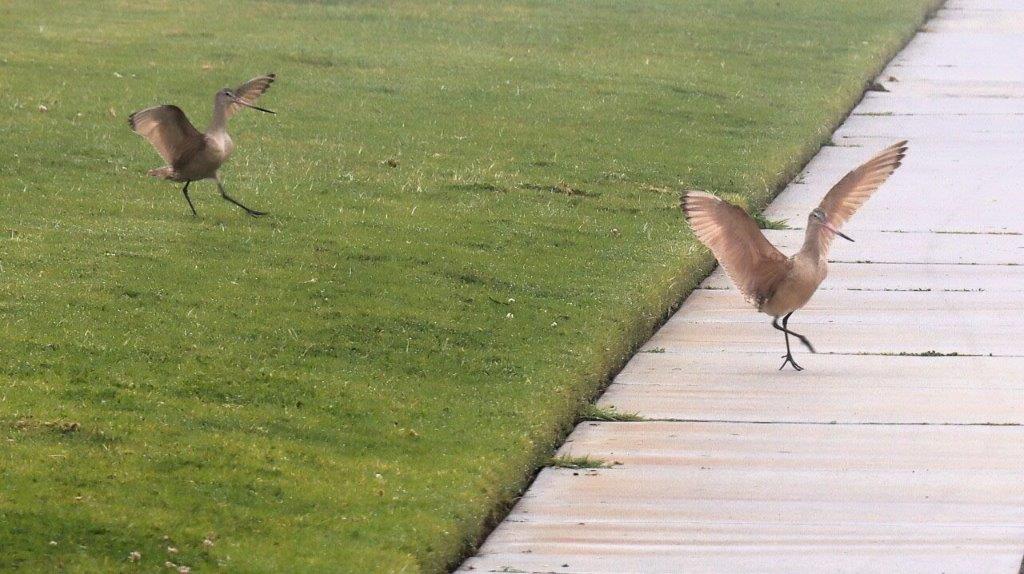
(220, 148)
(796, 289)
(205, 164)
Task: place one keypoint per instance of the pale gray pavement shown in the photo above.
(880, 457)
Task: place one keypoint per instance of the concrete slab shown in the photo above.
(982, 183)
(920, 127)
(872, 389)
(925, 83)
(929, 308)
(941, 248)
(968, 554)
(957, 77)
(902, 103)
(912, 127)
(963, 339)
(744, 497)
(993, 217)
(899, 277)
(965, 322)
(806, 448)
(752, 497)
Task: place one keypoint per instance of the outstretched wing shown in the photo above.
(170, 132)
(753, 264)
(857, 186)
(250, 91)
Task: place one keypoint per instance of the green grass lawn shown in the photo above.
(362, 380)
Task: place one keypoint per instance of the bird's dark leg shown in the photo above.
(225, 195)
(785, 325)
(184, 190)
(789, 355)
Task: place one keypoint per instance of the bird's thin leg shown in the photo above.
(789, 355)
(225, 195)
(184, 190)
(807, 343)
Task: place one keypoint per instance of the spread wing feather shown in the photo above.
(857, 186)
(250, 91)
(753, 264)
(170, 132)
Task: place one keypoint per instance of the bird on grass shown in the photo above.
(778, 285)
(192, 155)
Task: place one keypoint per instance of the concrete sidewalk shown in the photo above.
(901, 447)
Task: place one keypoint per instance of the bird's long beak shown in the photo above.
(248, 105)
(829, 227)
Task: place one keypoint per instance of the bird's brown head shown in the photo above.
(225, 97)
(818, 217)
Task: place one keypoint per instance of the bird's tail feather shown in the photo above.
(165, 172)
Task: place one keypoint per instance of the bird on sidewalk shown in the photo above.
(192, 155)
(778, 285)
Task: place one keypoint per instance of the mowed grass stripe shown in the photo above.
(360, 381)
